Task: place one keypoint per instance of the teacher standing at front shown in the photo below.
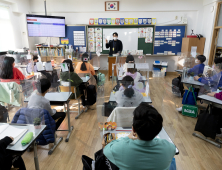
(115, 45)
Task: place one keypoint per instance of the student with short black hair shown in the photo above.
(128, 97)
(141, 149)
(37, 100)
(213, 79)
(199, 68)
(131, 71)
(32, 66)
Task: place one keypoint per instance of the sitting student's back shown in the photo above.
(38, 100)
(199, 68)
(141, 150)
(128, 97)
(84, 66)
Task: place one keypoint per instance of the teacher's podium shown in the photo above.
(112, 61)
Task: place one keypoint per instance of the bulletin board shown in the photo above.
(168, 39)
(69, 29)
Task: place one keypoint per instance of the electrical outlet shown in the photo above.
(175, 17)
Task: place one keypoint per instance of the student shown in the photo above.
(213, 80)
(129, 59)
(199, 68)
(30, 65)
(131, 71)
(128, 97)
(141, 150)
(7, 160)
(9, 71)
(115, 45)
(37, 100)
(75, 81)
(216, 95)
(84, 66)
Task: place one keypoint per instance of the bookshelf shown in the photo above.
(51, 53)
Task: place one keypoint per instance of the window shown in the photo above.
(6, 32)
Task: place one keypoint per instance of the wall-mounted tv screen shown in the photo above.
(45, 26)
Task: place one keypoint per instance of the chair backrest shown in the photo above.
(66, 89)
(123, 116)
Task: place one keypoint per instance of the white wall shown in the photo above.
(198, 12)
(17, 10)
(79, 12)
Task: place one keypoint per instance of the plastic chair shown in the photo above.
(123, 116)
(73, 90)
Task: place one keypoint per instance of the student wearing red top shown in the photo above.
(8, 71)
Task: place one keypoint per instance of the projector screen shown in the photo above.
(45, 26)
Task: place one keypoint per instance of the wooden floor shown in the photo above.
(195, 154)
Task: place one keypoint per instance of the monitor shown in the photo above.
(45, 26)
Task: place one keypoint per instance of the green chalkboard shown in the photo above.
(146, 47)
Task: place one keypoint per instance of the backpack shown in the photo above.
(3, 114)
(101, 79)
(101, 162)
(91, 95)
(55, 79)
(177, 86)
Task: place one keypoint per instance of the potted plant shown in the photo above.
(191, 76)
(37, 123)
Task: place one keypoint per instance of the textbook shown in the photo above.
(11, 131)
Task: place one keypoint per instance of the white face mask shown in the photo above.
(196, 61)
(115, 38)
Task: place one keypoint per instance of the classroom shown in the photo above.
(110, 85)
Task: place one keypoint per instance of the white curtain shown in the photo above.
(6, 32)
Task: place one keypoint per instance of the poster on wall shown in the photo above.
(99, 39)
(91, 40)
(79, 38)
(141, 33)
(149, 35)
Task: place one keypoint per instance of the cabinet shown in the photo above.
(187, 43)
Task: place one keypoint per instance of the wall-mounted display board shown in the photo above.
(168, 39)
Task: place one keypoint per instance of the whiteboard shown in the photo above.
(128, 36)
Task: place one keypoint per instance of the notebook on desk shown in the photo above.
(11, 131)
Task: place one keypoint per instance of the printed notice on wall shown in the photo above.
(79, 38)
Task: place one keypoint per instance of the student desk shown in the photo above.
(18, 149)
(84, 79)
(141, 79)
(192, 83)
(216, 103)
(179, 71)
(147, 99)
(96, 68)
(60, 99)
(162, 134)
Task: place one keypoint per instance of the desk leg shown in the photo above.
(36, 156)
(69, 126)
(207, 140)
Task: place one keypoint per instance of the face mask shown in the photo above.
(196, 61)
(115, 38)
